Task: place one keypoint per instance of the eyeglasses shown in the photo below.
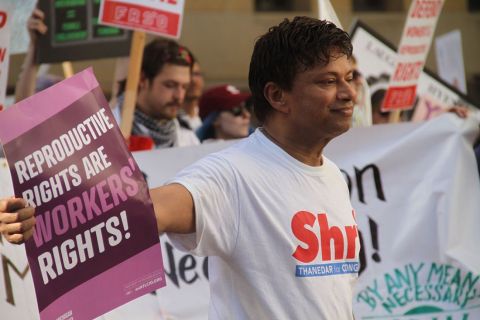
(238, 111)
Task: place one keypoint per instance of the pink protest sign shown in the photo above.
(162, 17)
(95, 245)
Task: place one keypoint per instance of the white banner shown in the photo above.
(416, 192)
(187, 294)
(417, 195)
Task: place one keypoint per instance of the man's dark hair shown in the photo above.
(156, 54)
(192, 56)
(162, 51)
(289, 48)
(377, 99)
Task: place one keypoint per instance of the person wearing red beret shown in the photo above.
(224, 114)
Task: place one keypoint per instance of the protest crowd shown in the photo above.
(332, 186)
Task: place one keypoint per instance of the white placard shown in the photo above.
(326, 12)
(163, 18)
(19, 38)
(412, 52)
(6, 10)
(449, 54)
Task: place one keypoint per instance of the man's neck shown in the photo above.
(160, 121)
(140, 105)
(298, 146)
(190, 106)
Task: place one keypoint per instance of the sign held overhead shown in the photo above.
(412, 52)
(163, 18)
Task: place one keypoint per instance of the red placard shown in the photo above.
(400, 97)
(141, 16)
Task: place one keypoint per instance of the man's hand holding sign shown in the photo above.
(16, 220)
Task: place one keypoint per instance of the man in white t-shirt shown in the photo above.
(272, 212)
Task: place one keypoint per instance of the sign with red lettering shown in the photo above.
(95, 244)
(376, 58)
(416, 40)
(5, 16)
(161, 17)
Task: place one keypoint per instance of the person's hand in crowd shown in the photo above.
(26, 82)
(16, 220)
(460, 111)
(36, 25)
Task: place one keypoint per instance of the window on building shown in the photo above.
(377, 5)
(473, 5)
(282, 5)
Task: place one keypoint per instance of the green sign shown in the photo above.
(75, 34)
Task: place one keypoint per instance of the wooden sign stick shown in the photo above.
(133, 78)
(67, 69)
(394, 116)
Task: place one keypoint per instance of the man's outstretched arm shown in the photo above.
(173, 205)
(174, 209)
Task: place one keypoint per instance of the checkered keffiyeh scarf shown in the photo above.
(163, 133)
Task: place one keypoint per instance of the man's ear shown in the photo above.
(276, 97)
(143, 82)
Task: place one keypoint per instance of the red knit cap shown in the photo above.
(221, 98)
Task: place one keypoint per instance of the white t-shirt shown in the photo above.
(185, 137)
(194, 121)
(258, 216)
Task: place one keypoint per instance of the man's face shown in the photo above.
(196, 86)
(162, 97)
(233, 124)
(322, 98)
